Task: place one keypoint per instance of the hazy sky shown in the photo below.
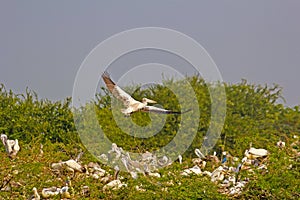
(43, 43)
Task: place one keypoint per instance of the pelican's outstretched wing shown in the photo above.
(117, 91)
(161, 110)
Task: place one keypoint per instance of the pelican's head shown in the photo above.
(34, 189)
(4, 138)
(145, 100)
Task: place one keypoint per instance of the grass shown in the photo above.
(32, 169)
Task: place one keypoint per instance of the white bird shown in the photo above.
(35, 195)
(70, 165)
(11, 146)
(132, 105)
(164, 161)
(74, 166)
(180, 159)
(196, 170)
(64, 192)
(96, 169)
(50, 192)
(253, 153)
(115, 184)
(218, 174)
(199, 153)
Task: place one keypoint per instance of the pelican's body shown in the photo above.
(74, 166)
(50, 192)
(130, 103)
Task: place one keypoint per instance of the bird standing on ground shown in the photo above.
(130, 103)
(11, 146)
(35, 195)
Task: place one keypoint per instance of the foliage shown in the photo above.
(26, 117)
(253, 115)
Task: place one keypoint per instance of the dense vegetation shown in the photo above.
(253, 115)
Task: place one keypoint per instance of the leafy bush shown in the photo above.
(253, 115)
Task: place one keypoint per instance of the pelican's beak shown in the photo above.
(150, 101)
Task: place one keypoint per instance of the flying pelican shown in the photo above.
(130, 103)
